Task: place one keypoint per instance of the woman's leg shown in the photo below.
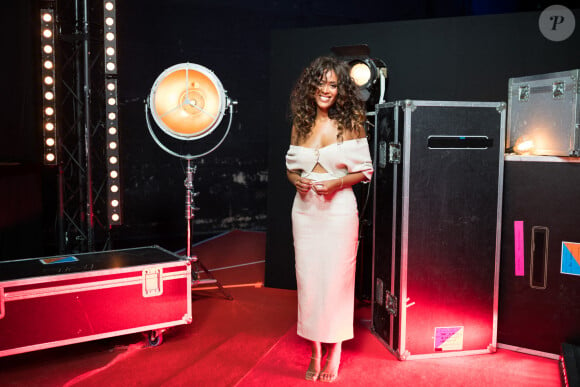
(314, 367)
(330, 371)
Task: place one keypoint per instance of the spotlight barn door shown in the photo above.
(436, 223)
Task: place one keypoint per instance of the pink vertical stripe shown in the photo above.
(519, 247)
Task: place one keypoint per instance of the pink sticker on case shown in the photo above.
(519, 247)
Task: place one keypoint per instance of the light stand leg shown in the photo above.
(189, 210)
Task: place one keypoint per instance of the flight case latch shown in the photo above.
(152, 282)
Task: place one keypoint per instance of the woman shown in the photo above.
(328, 154)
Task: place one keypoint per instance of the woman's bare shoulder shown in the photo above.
(357, 132)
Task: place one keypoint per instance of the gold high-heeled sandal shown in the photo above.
(327, 377)
(312, 375)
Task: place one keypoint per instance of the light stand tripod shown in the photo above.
(188, 102)
(190, 208)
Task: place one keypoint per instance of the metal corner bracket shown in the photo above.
(408, 104)
(501, 107)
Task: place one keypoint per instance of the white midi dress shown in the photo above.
(325, 231)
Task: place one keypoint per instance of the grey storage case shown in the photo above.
(543, 111)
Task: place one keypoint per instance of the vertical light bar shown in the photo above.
(112, 112)
(113, 180)
(49, 128)
(110, 36)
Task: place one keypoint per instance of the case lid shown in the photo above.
(85, 262)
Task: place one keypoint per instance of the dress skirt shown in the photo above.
(325, 230)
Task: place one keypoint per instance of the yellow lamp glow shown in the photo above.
(524, 146)
(360, 73)
(187, 101)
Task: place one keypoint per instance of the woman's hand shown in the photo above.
(327, 187)
(303, 185)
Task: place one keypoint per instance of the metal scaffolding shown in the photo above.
(82, 175)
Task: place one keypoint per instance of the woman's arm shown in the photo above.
(302, 184)
(329, 186)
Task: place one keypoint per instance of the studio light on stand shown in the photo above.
(187, 103)
(369, 74)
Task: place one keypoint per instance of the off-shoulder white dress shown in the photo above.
(325, 230)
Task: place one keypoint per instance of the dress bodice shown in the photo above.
(338, 159)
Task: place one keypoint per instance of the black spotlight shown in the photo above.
(370, 74)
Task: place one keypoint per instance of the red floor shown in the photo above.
(252, 341)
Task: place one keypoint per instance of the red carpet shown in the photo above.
(252, 341)
(366, 362)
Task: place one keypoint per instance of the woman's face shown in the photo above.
(327, 90)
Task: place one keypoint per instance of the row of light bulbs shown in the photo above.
(110, 37)
(49, 99)
(48, 87)
(113, 194)
(112, 112)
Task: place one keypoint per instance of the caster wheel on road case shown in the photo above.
(154, 338)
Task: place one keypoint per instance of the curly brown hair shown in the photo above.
(348, 110)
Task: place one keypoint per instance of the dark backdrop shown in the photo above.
(232, 38)
(462, 59)
(21, 215)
